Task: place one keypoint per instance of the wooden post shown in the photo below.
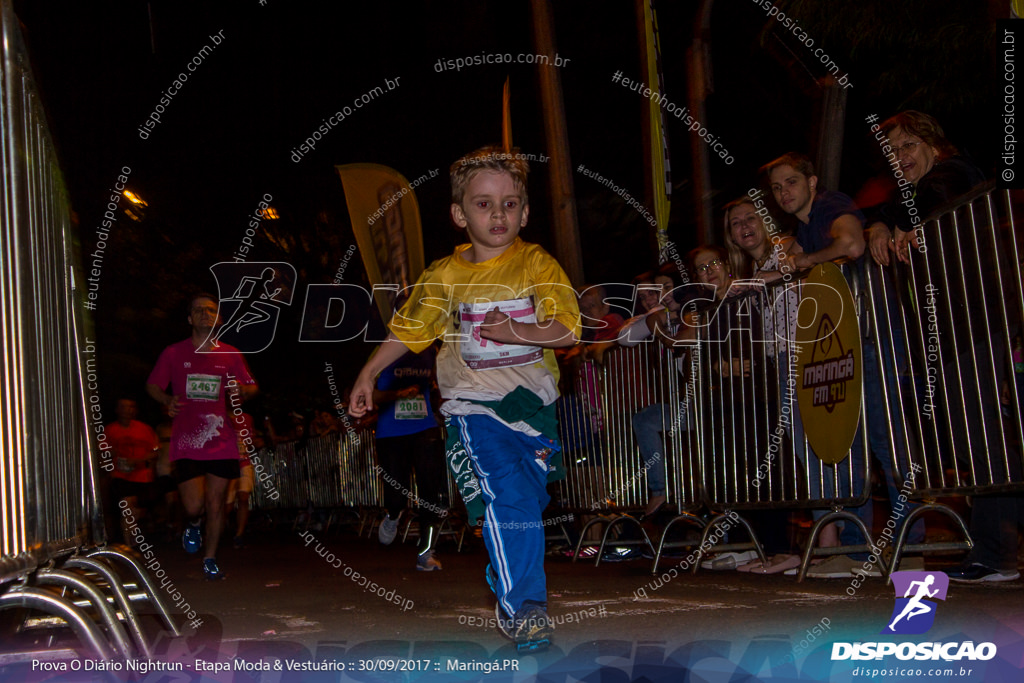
(830, 133)
(563, 204)
(699, 69)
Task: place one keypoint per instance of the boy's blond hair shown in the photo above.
(490, 158)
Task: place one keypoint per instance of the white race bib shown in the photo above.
(413, 408)
(202, 387)
(484, 354)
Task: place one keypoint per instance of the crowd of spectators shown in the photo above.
(770, 242)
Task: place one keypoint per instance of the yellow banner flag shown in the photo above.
(661, 170)
(386, 221)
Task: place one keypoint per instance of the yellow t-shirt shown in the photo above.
(451, 298)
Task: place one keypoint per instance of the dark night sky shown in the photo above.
(226, 138)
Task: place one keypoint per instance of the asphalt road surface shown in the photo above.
(294, 597)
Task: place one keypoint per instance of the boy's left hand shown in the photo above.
(497, 326)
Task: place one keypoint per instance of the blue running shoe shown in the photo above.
(192, 539)
(211, 571)
(533, 628)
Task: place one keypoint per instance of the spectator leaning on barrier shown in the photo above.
(738, 388)
(764, 256)
(662, 321)
(831, 227)
(935, 170)
(201, 374)
(938, 174)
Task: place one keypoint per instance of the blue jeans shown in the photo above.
(648, 424)
(820, 483)
(894, 366)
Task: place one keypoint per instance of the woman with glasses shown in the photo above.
(971, 337)
(936, 171)
(735, 409)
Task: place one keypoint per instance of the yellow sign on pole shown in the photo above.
(386, 222)
(829, 363)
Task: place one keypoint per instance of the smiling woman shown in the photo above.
(928, 160)
(936, 172)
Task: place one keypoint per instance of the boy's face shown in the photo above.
(793, 190)
(492, 212)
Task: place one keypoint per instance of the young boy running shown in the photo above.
(500, 305)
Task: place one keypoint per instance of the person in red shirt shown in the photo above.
(134, 445)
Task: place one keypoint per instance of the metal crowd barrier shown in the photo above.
(299, 474)
(960, 301)
(51, 516)
(754, 455)
(605, 475)
(331, 471)
(747, 453)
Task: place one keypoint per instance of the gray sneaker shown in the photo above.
(427, 562)
(388, 530)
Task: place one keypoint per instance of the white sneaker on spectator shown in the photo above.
(723, 561)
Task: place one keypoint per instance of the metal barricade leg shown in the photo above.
(901, 539)
(608, 530)
(146, 582)
(59, 577)
(812, 550)
(81, 624)
(662, 545)
(120, 597)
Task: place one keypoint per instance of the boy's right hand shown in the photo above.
(361, 400)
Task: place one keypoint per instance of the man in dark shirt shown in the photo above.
(831, 228)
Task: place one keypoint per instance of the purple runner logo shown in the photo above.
(914, 613)
(251, 296)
